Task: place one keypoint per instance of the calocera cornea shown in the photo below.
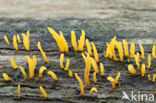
(61, 61)
(149, 77)
(89, 49)
(142, 51)
(57, 38)
(131, 69)
(81, 84)
(102, 69)
(67, 65)
(81, 41)
(108, 52)
(6, 77)
(23, 72)
(154, 76)
(125, 45)
(26, 42)
(28, 35)
(96, 56)
(94, 64)
(149, 62)
(132, 50)
(138, 56)
(44, 92)
(18, 39)
(117, 78)
(94, 78)
(70, 73)
(43, 68)
(112, 80)
(120, 50)
(19, 91)
(143, 70)
(137, 61)
(153, 52)
(15, 43)
(53, 75)
(84, 57)
(6, 39)
(42, 52)
(64, 42)
(14, 65)
(93, 89)
(73, 41)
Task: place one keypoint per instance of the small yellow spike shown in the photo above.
(143, 70)
(120, 50)
(142, 51)
(102, 69)
(149, 62)
(26, 42)
(117, 78)
(28, 33)
(73, 40)
(18, 39)
(112, 80)
(108, 52)
(6, 39)
(149, 77)
(137, 61)
(96, 56)
(131, 69)
(94, 78)
(53, 75)
(89, 47)
(34, 59)
(64, 42)
(67, 65)
(82, 40)
(23, 72)
(81, 84)
(153, 80)
(61, 61)
(19, 91)
(93, 89)
(132, 50)
(44, 92)
(42, 52)
(84, 57)
(70, 73)
(6, 77)
(94, 64)
(153, 52)
(138, 56)
(14, 65)
(43, 68)
(126, 48)
(15, 42)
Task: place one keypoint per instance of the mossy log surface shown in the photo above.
(133, 20)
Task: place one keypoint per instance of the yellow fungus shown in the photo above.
(137, 61)
(26, 42)
(102, 69)
(117, 78)
(120, 50)
(57, 38)
(112, 80)
(82, 40)
(67, 65)
(28, 33)
(44, 92)
(138, 56)
(87, 70)
(6, 39)
(132, 50)
(18, 39)
(143, 70)
(149, 77)
(84, 57)
(96, 56)
(41, 71)
(88, 47)
(142, 51)
(153, 80)
(15, 42)
(94, 64)
(34, 59)
(64, 42)
(125, 45)
(94, 78)
(93, 89)
(108, 52)
(53, 75)
(73, 40)
(14, 65)
(43, 53)
(81, 84)
(61, 61)
(23, 72)
(153, 52)
(149, 62)
(131, 69)
(19, 91)
(70, 73)
(6, 77)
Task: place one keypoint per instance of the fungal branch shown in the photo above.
(6, 77)
(14, 65)
(93, 89)
(81, 84)
(26, 41)
(153, 52)
(6, 39)
(73, 41)
(131, 69)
